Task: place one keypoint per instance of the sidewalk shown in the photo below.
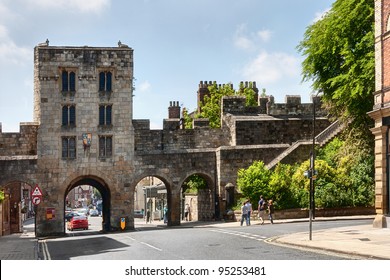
(20, 246)
(364, 242)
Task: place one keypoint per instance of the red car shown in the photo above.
(78, 222)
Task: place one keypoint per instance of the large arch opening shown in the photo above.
(17, 206)
(82, 196)
(151, 202)
(198, 198)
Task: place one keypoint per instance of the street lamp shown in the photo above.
(312, 172)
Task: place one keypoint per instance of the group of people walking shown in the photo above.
(263, 206)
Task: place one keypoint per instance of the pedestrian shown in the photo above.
(165, 215)
(187, 212)
(261, 209)
(271, 211)
(249, 206)
(148, 220)
(244, 213)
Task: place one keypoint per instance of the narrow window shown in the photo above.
(69, 115)
(72, 81)
(108, 83)
(64, 80)
(72, 115)
(105, 81)
(388, 23)
(108, 115)
(105, 114)
(65, 115)
(101, 115)
(69, 147)
(68, 81)
(105, 146)
(102, 81)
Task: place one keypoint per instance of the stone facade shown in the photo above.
(381, 112)
(84, 134)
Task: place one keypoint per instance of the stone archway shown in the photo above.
(16, 206)
(202, 202)
(153, 193)
(104, 190)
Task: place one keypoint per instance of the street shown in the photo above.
(187, 243)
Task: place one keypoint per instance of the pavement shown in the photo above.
(360, 242)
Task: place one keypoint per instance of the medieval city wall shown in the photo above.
(22, 143)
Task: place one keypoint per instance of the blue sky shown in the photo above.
(177, 44)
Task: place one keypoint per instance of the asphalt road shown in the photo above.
(180, 243)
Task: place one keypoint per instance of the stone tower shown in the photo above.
(83, 105)
(381, 112)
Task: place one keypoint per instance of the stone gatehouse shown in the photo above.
(84, 134)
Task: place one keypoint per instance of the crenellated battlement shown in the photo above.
(291, 106)
(19, 143)
(266, 104)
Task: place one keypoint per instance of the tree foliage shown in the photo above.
(339, 51)
(211, 105)
(254, 181)
(194, 183)
(343, 179)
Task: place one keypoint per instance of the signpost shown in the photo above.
(36, 195)
(36, 200)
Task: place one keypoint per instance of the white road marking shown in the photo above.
(242, 234)
(144, 243)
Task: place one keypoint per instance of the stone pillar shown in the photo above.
(174, 200)
(381, 194)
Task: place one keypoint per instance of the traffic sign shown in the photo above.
(36, 200)
(123, 223)
(37, 191)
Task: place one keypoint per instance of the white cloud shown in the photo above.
(83, 6)
(10, 53)
(144, 86)
(249, 40)
(269, 68)
(241, 39)
(264, 35)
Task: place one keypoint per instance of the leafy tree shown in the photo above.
(96, 193)
(194, 183)
(280, 186)
(254, 181)
(339, 51)
(187, 119)
(1, 196)
(250, 95)
(211, 106)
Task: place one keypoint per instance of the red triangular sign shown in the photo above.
(37, 191)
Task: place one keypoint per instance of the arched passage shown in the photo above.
(198, 198)
(16, 206)
(104, 191)
(151, 202)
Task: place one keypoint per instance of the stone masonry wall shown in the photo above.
(22, 143)
(57, 173)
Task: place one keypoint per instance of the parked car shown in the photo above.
(82, 211)
(138, 214)
(78, 222)
(94, 213)
(70, 215)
